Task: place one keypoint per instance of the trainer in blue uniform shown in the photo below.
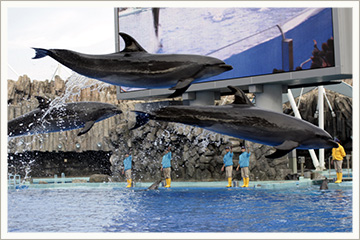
(244, 165)
(228, 164)
(166, 166)
(127, 169)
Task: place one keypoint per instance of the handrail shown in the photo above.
(330, 158)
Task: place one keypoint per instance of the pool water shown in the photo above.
(179, 210)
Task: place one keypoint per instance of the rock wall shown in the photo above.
(197, 153)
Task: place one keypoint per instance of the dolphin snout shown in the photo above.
(226, 67)
(333, 144)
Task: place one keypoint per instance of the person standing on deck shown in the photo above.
(127, 168)
(338, 154)
(166, 166)
(244, 165)
(228, 164)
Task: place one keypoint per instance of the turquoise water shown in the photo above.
(179, 210)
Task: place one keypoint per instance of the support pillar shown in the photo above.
(321, 124)
(268, 96)
(201, 98)
(293, 161)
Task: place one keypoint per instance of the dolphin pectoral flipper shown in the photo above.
(87, 127)
(278, 154)
(141, 119)
(283, 149)
(178, 92)
(182, 83)
(181, 87)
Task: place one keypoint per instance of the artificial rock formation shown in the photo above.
(197, 153)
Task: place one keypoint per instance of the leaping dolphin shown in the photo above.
(134, 67)
(66, 117)
(243, 120)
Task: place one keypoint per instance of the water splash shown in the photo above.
(74, 85)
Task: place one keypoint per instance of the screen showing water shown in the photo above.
(255, 41)
(180, 210)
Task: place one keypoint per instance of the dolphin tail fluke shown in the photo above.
(40, 53)
(283, 149)
(141, 119)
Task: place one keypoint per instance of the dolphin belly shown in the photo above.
(257, 135)
(45, 126)
(138, 81)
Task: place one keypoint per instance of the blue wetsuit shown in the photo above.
(166, 160)
(228, 159)
(127, 163)
(244, 159)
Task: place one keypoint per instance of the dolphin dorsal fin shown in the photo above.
(131, 45)
(43, 102)
(240, 97)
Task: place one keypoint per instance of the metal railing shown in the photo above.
(14, 180)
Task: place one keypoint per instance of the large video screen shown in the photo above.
(255, 41)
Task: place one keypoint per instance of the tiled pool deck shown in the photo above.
(83, 182)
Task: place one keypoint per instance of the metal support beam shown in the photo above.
(297, 114)
(321, 124)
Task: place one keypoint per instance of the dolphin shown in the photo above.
(134, 67)
(243, 120)
(66, 117)
(155, 185)
(324, 184)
